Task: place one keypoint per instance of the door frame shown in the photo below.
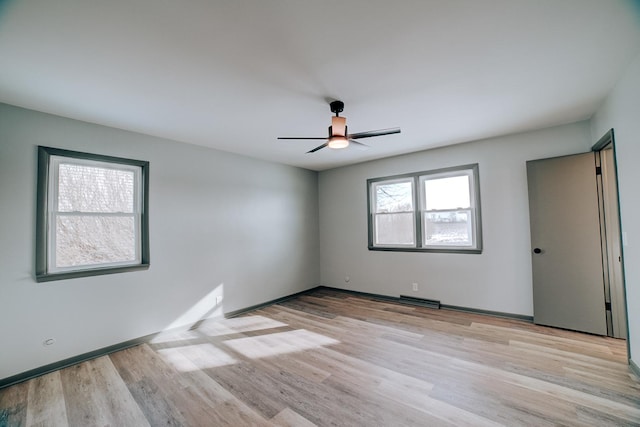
(608, 139)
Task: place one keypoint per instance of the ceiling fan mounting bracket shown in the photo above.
(337, 107)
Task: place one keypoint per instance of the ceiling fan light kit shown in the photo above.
(338, 136)
(337, 142)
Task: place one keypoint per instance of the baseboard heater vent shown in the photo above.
(422, 302)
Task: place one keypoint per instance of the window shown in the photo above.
(434, 211)
(394, 212)
(92, 215)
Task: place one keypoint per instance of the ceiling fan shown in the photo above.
(338, 136)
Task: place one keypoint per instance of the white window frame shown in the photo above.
(49, 161)
(471, 210)
(375, 213)
(420, 212)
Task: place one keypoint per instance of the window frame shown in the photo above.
(472, 170)
(46, 192)
(395, 180)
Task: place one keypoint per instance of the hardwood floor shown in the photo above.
(333, 359)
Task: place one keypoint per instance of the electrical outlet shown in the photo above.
(218, 299)
(347, 279)
(415, 287)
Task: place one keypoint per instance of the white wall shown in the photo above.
(220, 224)
(499, 279)
(621, 111)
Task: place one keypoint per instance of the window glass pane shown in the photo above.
(452, 228)
(94, 239)
(84, 188)
(447, 193)
(394, 229)
(394, 197)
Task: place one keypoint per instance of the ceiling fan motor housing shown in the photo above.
(336, 107)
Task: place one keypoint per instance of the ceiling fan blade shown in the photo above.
(373, 133)
(319, 147)
(338, 126)
(359, 145)
(302, 137)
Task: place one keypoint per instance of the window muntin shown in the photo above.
(447, 217)
(92, 214)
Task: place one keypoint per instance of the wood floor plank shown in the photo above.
(303, 367)
(150, 383)
(248, 383)
(45, 404)
(227, 409)
(403, 395)
(13, 405)
(289, 418)
(333, 402)
(183, 399)
(95, 394)
(555, 391)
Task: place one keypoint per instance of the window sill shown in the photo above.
(432, 250)
(48, 277)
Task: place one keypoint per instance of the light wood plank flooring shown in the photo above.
(334, 359)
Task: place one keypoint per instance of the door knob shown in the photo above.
(537, 251)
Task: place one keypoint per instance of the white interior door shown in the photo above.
(568, 287)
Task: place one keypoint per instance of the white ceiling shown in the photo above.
(235, 74)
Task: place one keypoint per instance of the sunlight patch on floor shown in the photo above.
(239, 324)
(279, 343)
(196, 357)
(175, 336)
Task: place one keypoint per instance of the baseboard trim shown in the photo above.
(634, 368)
(523, 317)
(361, 294)
(401, 300)
(27, 375)
(421, 302)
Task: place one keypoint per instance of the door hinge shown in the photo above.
(598, 170)
(607, 306)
